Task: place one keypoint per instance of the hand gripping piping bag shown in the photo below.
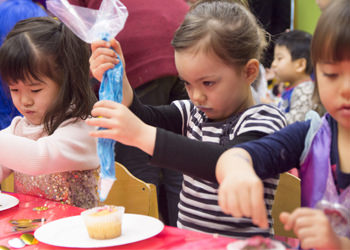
(92, 25)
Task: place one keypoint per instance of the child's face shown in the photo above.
(214, 87)
(282, 65)
(32, 98)
(333, 81)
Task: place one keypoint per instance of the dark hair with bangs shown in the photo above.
(43, 47)
(298, 44)
(225, 27)
(331, 40)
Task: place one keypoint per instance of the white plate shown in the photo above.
(7, 201)
(71, 232)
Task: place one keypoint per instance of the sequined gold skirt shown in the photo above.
(77, 188)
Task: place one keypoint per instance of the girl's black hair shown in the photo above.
(331, 39)
(43, 47)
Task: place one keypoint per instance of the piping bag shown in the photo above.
(92, 25)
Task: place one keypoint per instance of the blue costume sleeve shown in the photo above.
(278, 152)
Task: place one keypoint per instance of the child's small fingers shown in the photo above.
(98, 70)
(233, 206)
(303, 222)
(103, 55)
(96, 60)
(244, 202)
(291, 219)
(106, 133)
(100, 122)
(104, 112)
(310, 243)
(222, 201)
(98, 44)
(309, 237)
(259, 213)
(116, 46)
(305, 232)
(107, 104)
(284, 217)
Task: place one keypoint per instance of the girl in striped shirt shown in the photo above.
(217, 51)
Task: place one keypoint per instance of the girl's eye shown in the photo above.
(208, 83)
(13, 90)
(36, 90)
(186, 83)
(330, 75)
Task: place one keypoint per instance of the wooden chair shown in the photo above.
(135, 195)
(7, 185)
(287, 198)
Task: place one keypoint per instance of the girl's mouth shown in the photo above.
(345, 109)
(204, 109)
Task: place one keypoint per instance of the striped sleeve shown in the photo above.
(185, 107)
(260, 118)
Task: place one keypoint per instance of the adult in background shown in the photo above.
(149, 57)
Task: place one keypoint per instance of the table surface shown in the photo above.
(169, 238)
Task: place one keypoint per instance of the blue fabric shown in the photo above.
(7, 109)
(284, 104)
(111, 88)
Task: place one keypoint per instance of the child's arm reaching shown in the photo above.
(122, 125)
(238, 170)
(68, 148)
(313, 229)
(241, 192)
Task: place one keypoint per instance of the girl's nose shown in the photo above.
(27, 100)
(274, 63)
(345, 91)
(197, 97)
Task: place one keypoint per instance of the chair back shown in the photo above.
(287, 198)
(135, 195)
(7, 185)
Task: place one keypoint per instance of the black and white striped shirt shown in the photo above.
(188, 142)
(198, 207)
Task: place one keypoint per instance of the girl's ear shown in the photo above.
(251, 70)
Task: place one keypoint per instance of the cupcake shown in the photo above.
(103, 222)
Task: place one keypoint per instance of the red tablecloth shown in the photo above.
(169, 238)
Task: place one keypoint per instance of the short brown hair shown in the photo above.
(225, 27)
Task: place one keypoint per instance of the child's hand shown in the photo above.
(104, 58)
(312, 227)
(122, 125)
(241, 192)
